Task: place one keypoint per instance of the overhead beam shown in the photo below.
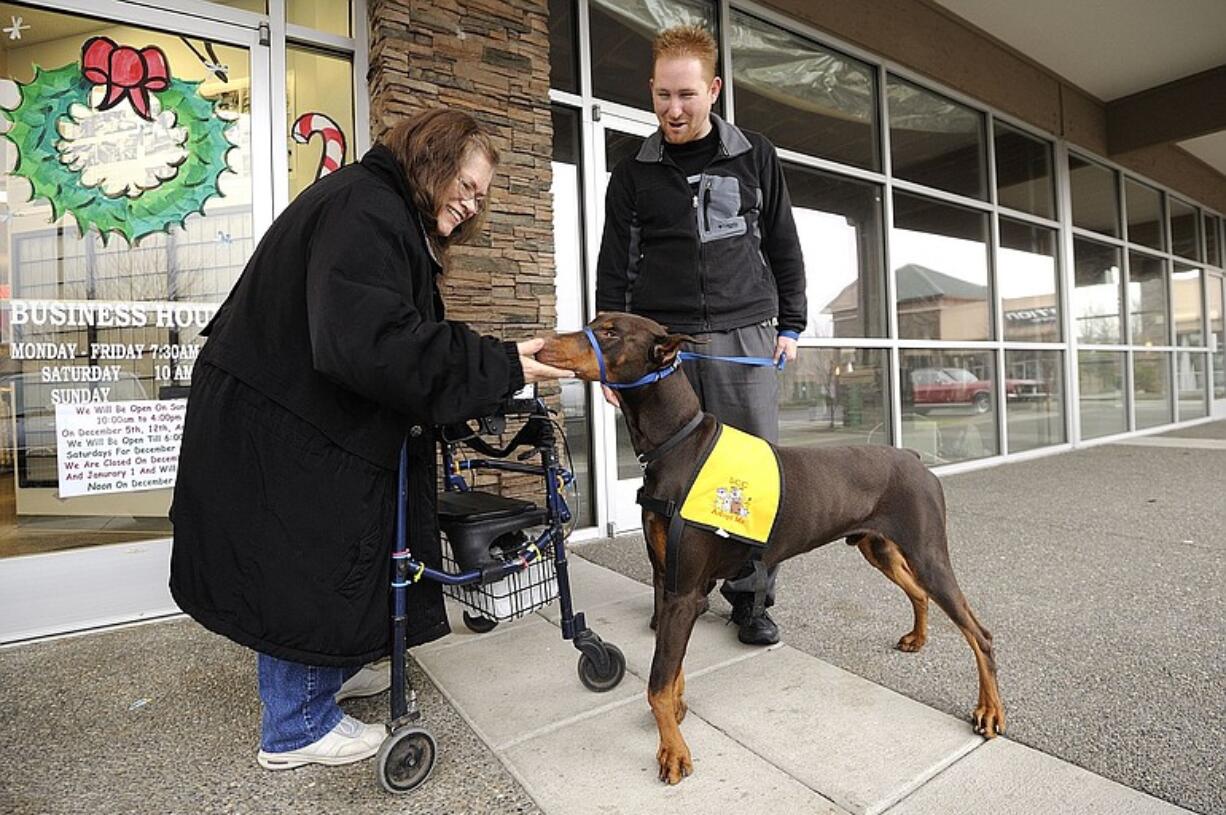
(1179, 110)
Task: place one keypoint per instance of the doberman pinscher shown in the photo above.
(880, 499)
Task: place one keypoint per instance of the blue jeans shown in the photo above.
(299, 702)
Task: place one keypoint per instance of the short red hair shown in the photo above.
(686, 41)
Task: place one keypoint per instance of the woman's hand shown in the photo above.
(537, 371)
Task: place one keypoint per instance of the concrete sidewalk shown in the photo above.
(771, 730)
(163, 717)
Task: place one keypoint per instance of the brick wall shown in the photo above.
(491, 59)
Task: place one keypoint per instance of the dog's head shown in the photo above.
(632, 347)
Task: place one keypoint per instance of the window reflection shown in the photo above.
(839, 223)
(1189, 313)
(1147, 299)
(1144, 208)
(948, 398)
(936, 141)
(330, 16)
(567, 194)
(1023, 172)
(1185, 229)
(621, 35)
(939, 253)
(1034, 399)
(1026, 271)
(1095, 200)
(1151, 388)
(1096, 293)
(834, 396)
(1100, 382)
(804, 97)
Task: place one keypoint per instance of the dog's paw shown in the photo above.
(989, 720)
(674, 761)
(911, 642)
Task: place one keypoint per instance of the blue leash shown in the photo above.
(683, 356)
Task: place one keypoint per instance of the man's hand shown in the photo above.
(610, 396)
(785, 347)
(537, 371)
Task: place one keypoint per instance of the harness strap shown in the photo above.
(672, 441)
(676, 525)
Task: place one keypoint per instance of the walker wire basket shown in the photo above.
(512, 597)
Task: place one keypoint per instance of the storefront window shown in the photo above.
(319, 94)
(567, 192)
(804, 97)
(940, 261)
(1024, 178)
(935, 141)
(1151, 388)
(126, 216)
(1028, 280)
(835, 396)
(1185, 229)
(621, 35)
(1096, 203)
(1212, 248)
(1096, 293)
(839, 221)
(1189, 312)
(1144, 208)
(563, 57)
(328, 16)
(1147, 299)
(1216, 295)
(1034, 399)
(949, 404)
(1190, 385)
(1100, 381)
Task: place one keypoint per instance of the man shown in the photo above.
(699, 237)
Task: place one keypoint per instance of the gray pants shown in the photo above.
(742, 396)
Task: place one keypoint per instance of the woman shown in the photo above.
(330, 351)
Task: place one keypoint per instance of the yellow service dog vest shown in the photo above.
(737, 490)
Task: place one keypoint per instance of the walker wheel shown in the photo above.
(589, 673)
(479, 624)
(405, 759)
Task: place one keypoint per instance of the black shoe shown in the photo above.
(760, 630)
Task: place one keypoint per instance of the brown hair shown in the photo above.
(430, 148)
(686, 41)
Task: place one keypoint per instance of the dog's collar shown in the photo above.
(672, 441)
(654, 376)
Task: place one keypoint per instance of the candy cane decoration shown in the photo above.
(333, 156)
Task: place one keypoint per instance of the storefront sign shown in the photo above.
(118, 446)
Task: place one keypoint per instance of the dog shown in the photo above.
(880, 499)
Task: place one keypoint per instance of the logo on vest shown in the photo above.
(732, 502)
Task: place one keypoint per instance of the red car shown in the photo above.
(958, 386)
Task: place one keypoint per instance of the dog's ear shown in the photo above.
(665, 347)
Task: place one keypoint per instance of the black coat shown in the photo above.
(329, 351)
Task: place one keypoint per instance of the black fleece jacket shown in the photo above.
(723, 258)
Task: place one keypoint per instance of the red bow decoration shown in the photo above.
(126, 72)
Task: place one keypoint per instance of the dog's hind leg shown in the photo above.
(666, 683)
(884, 554)
(935, 574)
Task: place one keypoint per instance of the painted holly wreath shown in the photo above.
(118, 142)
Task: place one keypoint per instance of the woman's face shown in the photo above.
(464, 197)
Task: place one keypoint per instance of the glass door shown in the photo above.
(616, 139)
(137, 178)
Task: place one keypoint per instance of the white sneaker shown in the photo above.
(346, 743)
(371, 679)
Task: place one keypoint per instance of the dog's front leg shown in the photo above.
(674, 624)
